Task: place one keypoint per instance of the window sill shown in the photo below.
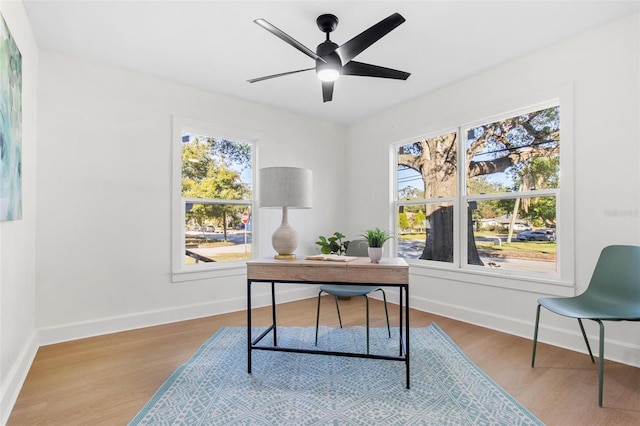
(219, 271)
(507, 280)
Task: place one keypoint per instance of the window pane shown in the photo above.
(510, 185)
(515, 154)
(217, 232)
(215, 168)
(427, 168)
(522, 241)
(426, 231)
(218, 172)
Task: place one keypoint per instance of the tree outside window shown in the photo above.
(216, 189)
(508, 189)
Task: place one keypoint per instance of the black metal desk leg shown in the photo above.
(249, 326)
(407, 337)
(400, 329)
(273, 313)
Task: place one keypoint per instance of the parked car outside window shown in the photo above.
(539, 235)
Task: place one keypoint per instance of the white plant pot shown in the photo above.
(375, 254)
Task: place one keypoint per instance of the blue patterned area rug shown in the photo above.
(213, 387)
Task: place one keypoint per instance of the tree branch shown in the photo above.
(478, 168)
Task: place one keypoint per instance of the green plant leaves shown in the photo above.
(333, 244)
(376, 237)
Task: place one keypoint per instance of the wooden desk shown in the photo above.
(390, 272)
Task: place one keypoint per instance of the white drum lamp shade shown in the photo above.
(285, 187)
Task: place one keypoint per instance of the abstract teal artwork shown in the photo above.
(10, 126)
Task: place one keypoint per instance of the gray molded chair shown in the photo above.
(613, 295)
(355, 248)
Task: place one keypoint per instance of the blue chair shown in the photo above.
(355, 248)
(613, 295)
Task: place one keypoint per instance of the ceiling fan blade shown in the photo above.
(267, 77)
(327, 91)
(368, 70)
(287, 38)
(356, 45)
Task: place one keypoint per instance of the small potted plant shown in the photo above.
(333, 244)
(376, 239)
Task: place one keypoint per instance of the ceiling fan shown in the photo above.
(333, 60)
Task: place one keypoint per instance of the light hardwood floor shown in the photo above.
(105, 380)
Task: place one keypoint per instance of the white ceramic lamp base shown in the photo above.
(285, 239)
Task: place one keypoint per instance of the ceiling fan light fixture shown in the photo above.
(328, 74)
(328, 67)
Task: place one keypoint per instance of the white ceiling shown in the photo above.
(215, 46)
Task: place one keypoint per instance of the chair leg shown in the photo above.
(601, 363)
(386, 312)
(318, 317)
(535, 337)
(367, 299)
(338, 309)
(584, 335)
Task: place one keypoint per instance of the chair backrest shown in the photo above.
(358, 248)
(617, 274)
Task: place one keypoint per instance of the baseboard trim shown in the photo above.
(16, 377)
(615, 350)
(81, 330)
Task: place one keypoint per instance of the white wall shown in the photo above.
(17, 238)
(104, 200)
(602, 66)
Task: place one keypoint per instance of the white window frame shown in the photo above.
(180, 271)
(563, 282)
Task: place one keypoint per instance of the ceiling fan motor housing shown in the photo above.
(327, 51)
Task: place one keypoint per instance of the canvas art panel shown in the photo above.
(10, 126)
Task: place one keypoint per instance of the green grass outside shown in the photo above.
(202, 242)
(543, 247)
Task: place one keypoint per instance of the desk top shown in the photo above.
(361, 271)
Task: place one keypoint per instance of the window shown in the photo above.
(213, 198)
(501, 215)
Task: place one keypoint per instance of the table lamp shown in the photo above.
(286, 187)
